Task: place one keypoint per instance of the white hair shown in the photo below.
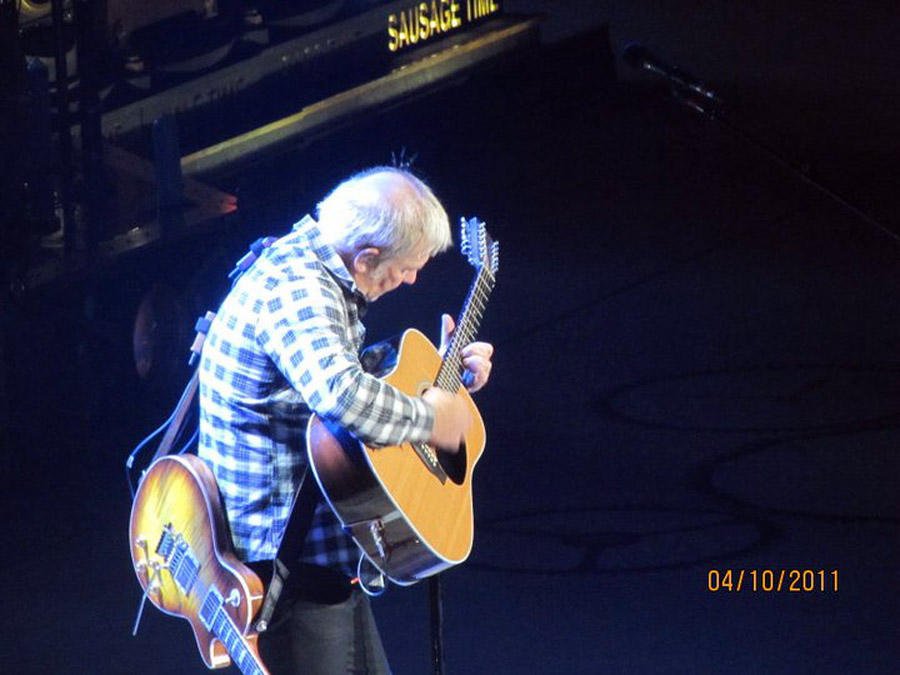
(386, 208)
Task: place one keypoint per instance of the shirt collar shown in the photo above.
(308, 229)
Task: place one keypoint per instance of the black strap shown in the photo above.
(307, 497)
(305, 501)
(256, 249)
(202, 328)
(184, 403)
(299, 522)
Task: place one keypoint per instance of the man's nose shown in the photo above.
(410, 277)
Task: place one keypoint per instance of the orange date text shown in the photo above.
(772, 581)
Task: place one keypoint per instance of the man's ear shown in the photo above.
(366, 259)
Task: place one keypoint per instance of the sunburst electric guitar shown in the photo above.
(409, 507)
(181, 550)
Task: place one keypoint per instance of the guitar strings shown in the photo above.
(449, 376)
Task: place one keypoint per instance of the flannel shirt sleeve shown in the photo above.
(302, 327)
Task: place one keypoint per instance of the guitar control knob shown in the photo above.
(234, 598)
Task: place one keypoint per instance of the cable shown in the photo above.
(129, 463)
(190, 441)
(373, 591)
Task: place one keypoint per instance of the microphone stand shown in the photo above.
(712, 107)
(437, 625)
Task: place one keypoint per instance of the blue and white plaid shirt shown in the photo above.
(287, 339)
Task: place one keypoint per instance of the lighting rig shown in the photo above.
(120, 116)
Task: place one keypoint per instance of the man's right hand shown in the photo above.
(451, 419)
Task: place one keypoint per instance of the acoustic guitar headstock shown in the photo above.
(478, 246)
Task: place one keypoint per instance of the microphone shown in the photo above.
(639, 57)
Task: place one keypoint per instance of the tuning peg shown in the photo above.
(463, 236)
(495, 257)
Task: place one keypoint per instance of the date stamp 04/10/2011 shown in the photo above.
(772, 581)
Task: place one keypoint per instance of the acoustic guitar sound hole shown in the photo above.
(454, 465)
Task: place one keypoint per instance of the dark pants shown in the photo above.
(322, 625)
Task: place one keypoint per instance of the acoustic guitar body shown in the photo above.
(409, 507)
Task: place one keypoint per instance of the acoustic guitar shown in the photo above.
(182, 555)
(409, 507)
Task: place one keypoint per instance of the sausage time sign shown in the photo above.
(425, 21)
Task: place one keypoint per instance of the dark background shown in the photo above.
(696, 360)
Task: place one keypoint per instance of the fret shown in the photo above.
(211, 603)
(449, 375)
(217, 621)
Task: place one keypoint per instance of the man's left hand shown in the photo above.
(476, 356)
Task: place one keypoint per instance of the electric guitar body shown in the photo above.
(182, 555)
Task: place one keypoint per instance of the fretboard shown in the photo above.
(449, 376)
(216, 620)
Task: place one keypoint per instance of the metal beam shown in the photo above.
(424, 73)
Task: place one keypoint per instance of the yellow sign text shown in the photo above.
(421, 22)
(477, 9)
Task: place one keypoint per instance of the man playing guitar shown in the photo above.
(285, 344)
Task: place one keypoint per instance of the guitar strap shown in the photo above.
(308, 494)
(184, 403)
(305, 501)
(299, 522)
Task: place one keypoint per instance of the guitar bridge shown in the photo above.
(175, 556)
(430, 459)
